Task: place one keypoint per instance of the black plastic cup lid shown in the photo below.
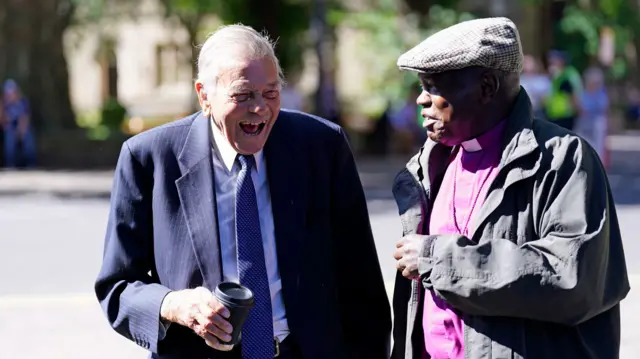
(234, 293)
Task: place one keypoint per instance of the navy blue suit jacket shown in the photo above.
(162, 235)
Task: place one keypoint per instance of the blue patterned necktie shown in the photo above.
(257, 332)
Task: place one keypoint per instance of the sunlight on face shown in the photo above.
(245, 104)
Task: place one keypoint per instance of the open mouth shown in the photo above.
(252, 128)
(430, 124)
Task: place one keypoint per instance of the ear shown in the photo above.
(203, 98)
(489, 87)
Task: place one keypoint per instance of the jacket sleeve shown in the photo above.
(367, 327)
(572, 272)
(127, 292)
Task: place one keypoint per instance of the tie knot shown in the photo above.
(246, 161)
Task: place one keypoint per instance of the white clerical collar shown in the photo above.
(472, 145)
(227, 153)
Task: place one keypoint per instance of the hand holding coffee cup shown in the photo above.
(201, 311)
(238, 300)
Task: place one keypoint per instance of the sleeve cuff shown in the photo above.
(164, 324)
(425, 262)
(147, 315)
(164, 327)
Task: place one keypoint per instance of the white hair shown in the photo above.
(227, 45)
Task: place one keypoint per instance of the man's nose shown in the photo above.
(259, 106)
(424, 99)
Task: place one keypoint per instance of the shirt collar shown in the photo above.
(227, 153)
(486, 140)
(472, 145)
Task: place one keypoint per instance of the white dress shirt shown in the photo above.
(226, 170)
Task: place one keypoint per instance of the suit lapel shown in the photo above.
(198, 200)
(288, 178)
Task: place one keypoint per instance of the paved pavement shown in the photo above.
(46, 301)
(376, 175)
(51, 249)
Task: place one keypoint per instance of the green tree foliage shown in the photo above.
(284, 20)
(579, 31)
(386, 35)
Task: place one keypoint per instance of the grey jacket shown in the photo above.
(544, 271)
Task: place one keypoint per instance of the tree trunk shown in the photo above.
(635, 77)
(32, 53)
(265, 15)
(421, 7)
(195, 52)
(318, 29)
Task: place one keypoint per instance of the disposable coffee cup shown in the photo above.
(239, 300)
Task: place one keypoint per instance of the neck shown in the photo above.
(496, 114)
(487, 124)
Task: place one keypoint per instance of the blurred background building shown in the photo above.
(92, 73)
(97, 71)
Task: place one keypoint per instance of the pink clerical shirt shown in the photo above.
(463, 190)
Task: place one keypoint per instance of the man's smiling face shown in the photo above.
(245, 103)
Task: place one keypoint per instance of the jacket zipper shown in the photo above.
(415, 283)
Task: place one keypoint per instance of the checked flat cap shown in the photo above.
(492, 43)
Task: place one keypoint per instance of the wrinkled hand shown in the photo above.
(199, 310)
(407, 253)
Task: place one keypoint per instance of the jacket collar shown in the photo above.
(518, 141)
(197, 145)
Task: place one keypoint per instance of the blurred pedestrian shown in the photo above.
(632, 110)
(291, 97)
(243, 192)
(18, 134)
(536, 83)
(562, 106)
(511, 246)
(594, 103)
(377, 140)
(329, 104)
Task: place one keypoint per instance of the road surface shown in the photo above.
(51, 249)
(50, 252)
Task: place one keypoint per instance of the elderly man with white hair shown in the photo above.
(243, 192)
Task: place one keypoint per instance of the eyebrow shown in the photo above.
(248, 87)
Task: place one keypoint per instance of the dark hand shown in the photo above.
(407, 253)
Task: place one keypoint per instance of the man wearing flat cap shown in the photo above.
(511, 246)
